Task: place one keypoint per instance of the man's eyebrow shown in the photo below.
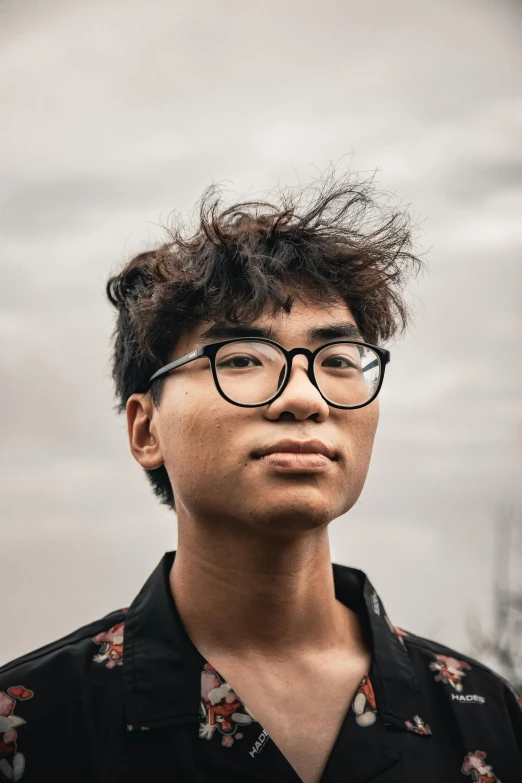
(225, 330)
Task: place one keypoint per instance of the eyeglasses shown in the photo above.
(252, 371)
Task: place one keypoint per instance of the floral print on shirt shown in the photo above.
(12, 762)
(475, 766)
(111, 645)
(221, 709)
(418, 726)
(450, 671)
(364, 704)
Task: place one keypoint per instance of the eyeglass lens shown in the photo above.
(252, 372)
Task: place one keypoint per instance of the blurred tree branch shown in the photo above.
(503, 644)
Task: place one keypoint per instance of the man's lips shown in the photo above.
(288, 445)
(293, 461)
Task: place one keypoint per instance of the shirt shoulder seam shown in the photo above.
(436, 647)
(75, 637)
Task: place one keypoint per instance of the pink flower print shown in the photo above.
(449, 670)
(475, 765)
(111, 650)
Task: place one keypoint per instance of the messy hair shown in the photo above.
(332, 240)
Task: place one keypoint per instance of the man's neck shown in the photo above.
(260, 596)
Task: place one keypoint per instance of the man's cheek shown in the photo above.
(357, 452)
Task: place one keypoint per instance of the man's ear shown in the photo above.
(142, 431)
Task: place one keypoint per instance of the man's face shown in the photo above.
(207, 444)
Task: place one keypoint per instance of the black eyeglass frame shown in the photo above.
(211, 350)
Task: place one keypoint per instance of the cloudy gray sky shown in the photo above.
(117, 113)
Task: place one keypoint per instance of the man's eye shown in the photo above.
(228, 362)
(348, 362)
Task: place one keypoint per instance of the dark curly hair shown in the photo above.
(331, 240)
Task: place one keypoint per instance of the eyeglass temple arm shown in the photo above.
(177, 363)
(370, 366)
(375, 363)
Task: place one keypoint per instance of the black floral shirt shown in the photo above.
(129, 698)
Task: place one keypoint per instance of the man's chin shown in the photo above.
(290, 518)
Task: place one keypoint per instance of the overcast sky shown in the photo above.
(117, 113)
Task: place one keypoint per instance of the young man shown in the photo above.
(248, 358)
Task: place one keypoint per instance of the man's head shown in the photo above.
(284, 267)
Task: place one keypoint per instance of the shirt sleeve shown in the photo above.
(514, 708)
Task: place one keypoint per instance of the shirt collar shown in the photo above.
(397, 692)
(162, 668)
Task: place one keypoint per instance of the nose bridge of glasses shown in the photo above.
(295, 360)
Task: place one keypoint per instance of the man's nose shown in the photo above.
(300, 363)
